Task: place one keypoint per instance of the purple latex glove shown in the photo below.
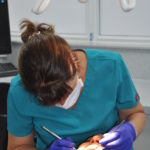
(62, 144)
(120, 139)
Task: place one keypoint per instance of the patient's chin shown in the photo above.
(94, 146)
(88, 146)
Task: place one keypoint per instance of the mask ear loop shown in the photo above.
(78, 76)
(80, 79)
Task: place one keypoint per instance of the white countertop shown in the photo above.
(6, 79)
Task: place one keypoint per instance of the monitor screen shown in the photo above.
(5, 42)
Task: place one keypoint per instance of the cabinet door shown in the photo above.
(115, 22)
(68, 16)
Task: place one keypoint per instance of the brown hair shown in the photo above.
(44, 62)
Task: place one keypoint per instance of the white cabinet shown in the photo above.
(68, 16)
(98, 23)
(115, 22)
(119, 29)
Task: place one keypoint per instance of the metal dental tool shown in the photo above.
(54, 134)
(118, 126)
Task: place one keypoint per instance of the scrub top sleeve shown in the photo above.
(127, 96)
(18, 124)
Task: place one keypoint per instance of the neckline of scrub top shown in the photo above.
(84, 90)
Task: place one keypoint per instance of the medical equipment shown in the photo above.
(40, 6)
(128, 5)
(118, 126)
(54, 134)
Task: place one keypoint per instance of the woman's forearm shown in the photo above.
(138, 121)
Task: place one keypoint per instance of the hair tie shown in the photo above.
(35, 33)
(38, 32)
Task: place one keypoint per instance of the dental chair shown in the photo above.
(4, 87)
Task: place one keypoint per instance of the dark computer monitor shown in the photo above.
(5, 41)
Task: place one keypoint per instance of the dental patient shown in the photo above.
(92, 143)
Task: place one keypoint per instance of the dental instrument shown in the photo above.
(54, 134)
(118, 126)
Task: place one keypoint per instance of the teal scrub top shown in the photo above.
(108, 87)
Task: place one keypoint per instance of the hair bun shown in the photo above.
(43, 27)
(29, 29)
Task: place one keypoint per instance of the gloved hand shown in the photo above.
(120, 139)
(62, 144)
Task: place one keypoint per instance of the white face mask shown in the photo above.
(73, 97)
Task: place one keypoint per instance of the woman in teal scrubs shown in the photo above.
(76, 94)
